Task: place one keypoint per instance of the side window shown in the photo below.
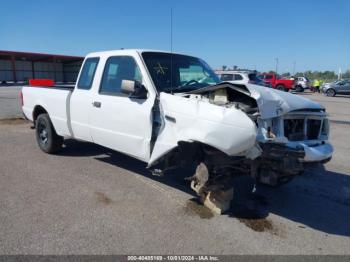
(226, 77)
(117, 69)
(88, 73)
(238, 77)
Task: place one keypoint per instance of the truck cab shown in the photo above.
(277, 82)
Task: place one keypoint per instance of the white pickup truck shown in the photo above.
(170, 110)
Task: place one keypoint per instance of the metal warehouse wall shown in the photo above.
(70, 71)
(5, 71)
(60, 72)
(23, 70)
(21, 66)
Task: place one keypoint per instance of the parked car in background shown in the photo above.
(301, 83)
(240, 77)
(337, 87)
(277, 82)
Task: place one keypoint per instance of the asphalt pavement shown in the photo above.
(10, 102)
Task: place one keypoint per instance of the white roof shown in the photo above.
(126, 52)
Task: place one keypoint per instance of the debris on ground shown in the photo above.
(199, 179)
(219, 201)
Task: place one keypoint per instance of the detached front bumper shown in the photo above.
(279, 163)
(317, 153)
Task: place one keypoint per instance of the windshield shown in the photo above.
(186, 73)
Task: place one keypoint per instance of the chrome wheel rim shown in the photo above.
(43, 134)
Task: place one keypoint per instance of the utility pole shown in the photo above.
(276, 65)
(293, 68)
(171, 49)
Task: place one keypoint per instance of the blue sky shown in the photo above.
(313, 34)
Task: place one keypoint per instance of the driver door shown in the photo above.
(118, 122)
(346, 87)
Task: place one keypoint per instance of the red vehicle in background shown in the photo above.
(277, 82)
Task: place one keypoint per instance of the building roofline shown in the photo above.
(33, 54)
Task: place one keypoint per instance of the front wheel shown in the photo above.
(284, 180)
(278, 182)
(330, 92)
(46, 136)
(299, 89)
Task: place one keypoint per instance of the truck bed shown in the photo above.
(59, 86)
(55, 100)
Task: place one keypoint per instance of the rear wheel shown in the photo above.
(46, 136)
(330, 92)
(282, 88)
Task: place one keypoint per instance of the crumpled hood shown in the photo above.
(273, 103)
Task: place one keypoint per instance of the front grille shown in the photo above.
(313, 129)
(294, 129)
(302, 129)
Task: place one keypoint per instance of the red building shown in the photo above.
(17, 67)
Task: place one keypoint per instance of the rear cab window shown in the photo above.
(87, 73)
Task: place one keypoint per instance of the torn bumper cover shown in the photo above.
(318, 153)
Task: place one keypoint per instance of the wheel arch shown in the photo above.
(282, 87)
(38, 110)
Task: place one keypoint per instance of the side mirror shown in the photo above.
(134, 89)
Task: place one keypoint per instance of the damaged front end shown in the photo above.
(229, 130)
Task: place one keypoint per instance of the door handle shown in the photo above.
(96, 104)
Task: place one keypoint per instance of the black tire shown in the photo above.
(46, 136)
(280, 182)
(299, 89)
(281, 88)
(284, 180)
(330, 92)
